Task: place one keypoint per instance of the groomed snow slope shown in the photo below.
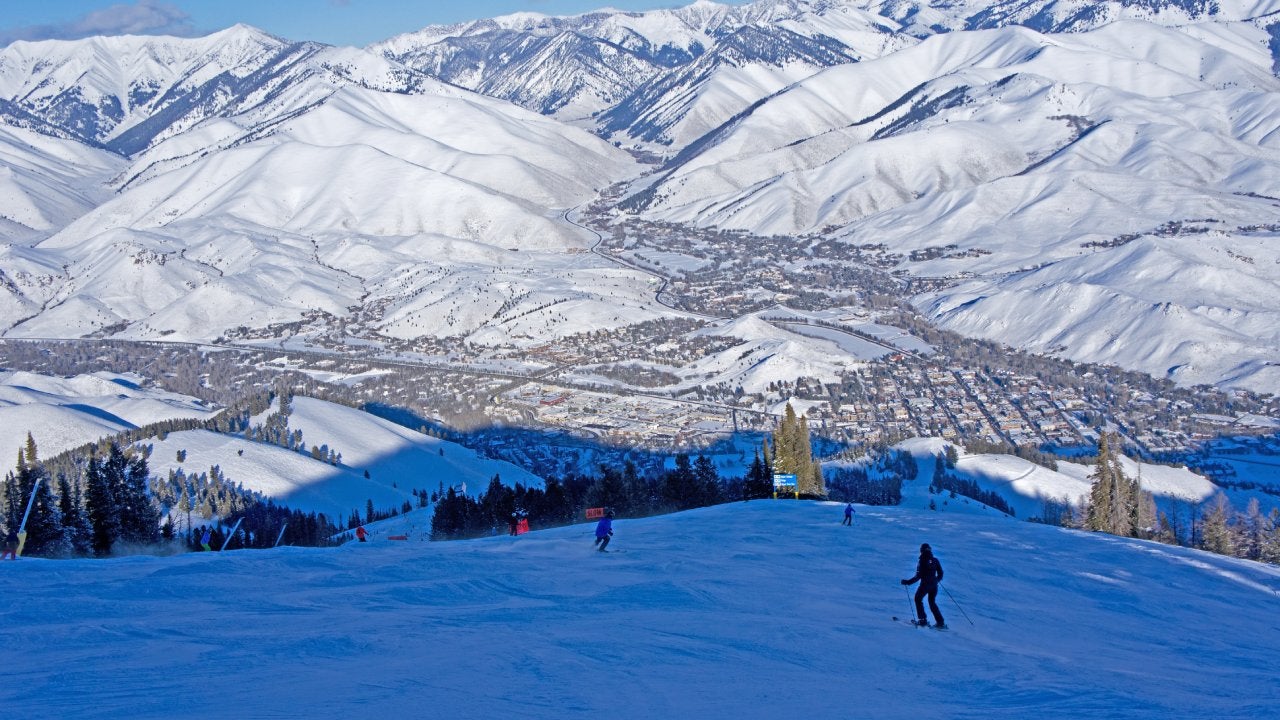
(762, 610)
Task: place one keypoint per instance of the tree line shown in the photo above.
(109, 504)
(1118, 505)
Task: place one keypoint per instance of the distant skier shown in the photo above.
(929, 573)
(361, 534)
(10, 546)
(604, 530)
(848, 514)
(205, 537)
(513, 523)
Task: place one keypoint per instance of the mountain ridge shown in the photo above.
(841, 120)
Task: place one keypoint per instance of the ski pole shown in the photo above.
(953, 602)
(911, 608)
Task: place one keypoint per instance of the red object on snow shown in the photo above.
(522, 527)
(397, 537)
(595, 513)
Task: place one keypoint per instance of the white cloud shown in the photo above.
(143, 17)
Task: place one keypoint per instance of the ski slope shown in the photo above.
(768, 609)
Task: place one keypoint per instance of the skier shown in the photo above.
(848, 514)
(10, 545)
(513, 524)
(604, 530)
(362, 534)
(205, 537)
(929, 573)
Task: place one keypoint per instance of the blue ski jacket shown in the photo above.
(604, 527)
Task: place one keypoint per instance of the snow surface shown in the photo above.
(398, 460)
(761, 610)
(65, 412)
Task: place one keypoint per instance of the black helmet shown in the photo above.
(924, 548)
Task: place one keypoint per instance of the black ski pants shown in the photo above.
(932, 592)
(603, 542)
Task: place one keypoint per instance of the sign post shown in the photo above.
(785, 480)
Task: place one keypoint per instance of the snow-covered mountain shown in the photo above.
(322, 187)
(650, 79)
(1102, 166)
(1081, 172)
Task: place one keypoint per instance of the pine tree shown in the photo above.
(609, 491)
(75, 524)
(100, 503)
(1111, 498)
(120, 509)
(793, 454)
(1269, 552)
(140, 518)
(45, 535)
(1216, 534)
(707, 480)
(1254, 531)
(679, 486)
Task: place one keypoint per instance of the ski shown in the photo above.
(915, 624)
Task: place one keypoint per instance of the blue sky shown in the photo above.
(339, 22)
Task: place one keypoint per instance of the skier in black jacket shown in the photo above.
(929, 573)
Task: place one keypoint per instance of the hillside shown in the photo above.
(1060, 624)
(63, 413)
(398, 461)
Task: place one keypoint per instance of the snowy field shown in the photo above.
(769, 609)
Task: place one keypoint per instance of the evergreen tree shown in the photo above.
(609, 491)
(75, 524)
(793, 454)
(100, 504)
(139, 516)
(1254, 531)
(1111, 500)
(1269, 551)
(706, 480)
(679, 486)
(45, 535)
(1216, 534)
(758, 483)
(119, 508)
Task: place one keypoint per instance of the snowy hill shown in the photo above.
(1026, 486)
(47, 182)
(63, 413)
(1043, 621)
(397, 460)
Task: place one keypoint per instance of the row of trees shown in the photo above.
(109, 501)
(948, 482)
(108, 506)
(690, 484)
(1118, 505)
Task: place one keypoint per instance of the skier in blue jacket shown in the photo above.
(604, 530)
